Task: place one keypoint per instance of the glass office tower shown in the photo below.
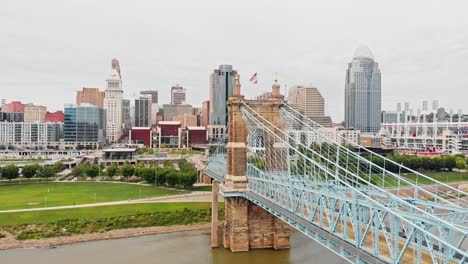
(363, 98)
(84, 123)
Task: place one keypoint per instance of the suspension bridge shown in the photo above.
(278, 170)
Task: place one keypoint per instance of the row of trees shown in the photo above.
(444, 162)
(12, 171)
(168, 175)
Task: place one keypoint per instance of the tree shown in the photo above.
(450, 162)
(437, 163)
(427, 163)
(10, 172)
(127, 170)
(147, 174)
(112, 170)
(58, 167)
(92, 171)
(172, 178)
(29, 171)
(460, 163)
(161, 174)
(78, 171)
(46, 172)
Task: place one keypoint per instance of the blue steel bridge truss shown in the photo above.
(355, 202)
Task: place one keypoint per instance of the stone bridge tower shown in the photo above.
(248, 226)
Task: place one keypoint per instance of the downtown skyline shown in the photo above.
(432, 57)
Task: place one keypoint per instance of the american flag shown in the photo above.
(253, 78)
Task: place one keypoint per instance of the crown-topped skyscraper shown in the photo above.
(363, 97)
(113, 104)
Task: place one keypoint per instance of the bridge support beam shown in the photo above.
(214, 215)
(249, 226)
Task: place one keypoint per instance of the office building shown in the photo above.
(308, 101)
(363, 97)
(186, 120)
(14, 107)
(221, 88)
(171, 110)
(127, 116)
(177, 95)
(57, 116)
(143, 111)
(153, 93)
(34, 113)
(113, 104)
(11, 117)
(85, 124)
(154, 105)
(205, 114)
(90, 96)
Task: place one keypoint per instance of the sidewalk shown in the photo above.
(191, 197)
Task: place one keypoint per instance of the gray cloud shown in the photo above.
(51, 48)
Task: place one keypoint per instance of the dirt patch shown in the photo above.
(10, 241)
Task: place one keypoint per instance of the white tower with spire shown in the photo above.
(113, 104)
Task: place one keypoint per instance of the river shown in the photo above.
(184, 248)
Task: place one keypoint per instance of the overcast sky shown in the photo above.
(51, 48)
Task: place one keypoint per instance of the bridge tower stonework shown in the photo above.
(247, 225)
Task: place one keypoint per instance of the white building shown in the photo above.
(30, 134)
(326, 135)
(113, 104)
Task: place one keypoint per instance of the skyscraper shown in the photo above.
(154, 105)
(143, 111)
(113, 103)
(221, 88)
(153, 93)
(309, 101)
(177, 95)
(127, 120)
(363, 97)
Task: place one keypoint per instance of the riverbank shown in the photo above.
(10, 242)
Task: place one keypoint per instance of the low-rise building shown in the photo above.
(141, 135)
(85, 126)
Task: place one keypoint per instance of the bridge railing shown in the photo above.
(330, 163)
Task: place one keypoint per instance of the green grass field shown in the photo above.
(58, 194)
(89, 213)
(445, 177)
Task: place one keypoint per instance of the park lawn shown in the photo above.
(445, 177)
(97, 212)
(24, 196)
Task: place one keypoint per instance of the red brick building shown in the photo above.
(141, 135)
(196, 135)
(14, 106)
